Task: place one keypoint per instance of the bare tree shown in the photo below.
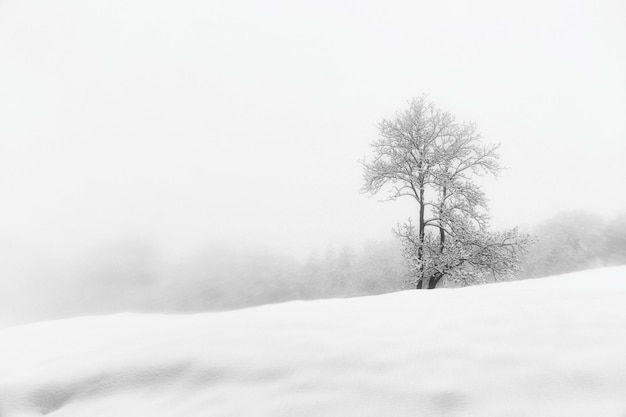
(424, 154)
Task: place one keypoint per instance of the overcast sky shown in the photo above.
(190, 121)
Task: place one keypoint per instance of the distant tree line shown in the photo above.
(575, 241)
(133, 276)
(226, 277)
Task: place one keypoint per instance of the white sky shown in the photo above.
(193, 121)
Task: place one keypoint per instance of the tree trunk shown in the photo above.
(434, 280)
(442, 233)
(423, 283)
(420, 249)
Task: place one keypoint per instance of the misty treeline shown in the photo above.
(134, 275)
(574, 241)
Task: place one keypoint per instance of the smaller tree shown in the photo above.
(423, 153)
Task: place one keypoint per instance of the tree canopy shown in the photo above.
(425, 154)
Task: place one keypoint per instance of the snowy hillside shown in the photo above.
(548, 347)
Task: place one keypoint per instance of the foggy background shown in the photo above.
(191, 156)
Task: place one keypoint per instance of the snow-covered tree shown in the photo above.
(423, 153)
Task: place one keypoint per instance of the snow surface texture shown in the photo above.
(549, 347)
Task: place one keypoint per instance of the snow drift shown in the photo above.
(548, 347)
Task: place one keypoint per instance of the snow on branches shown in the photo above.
(423, 153)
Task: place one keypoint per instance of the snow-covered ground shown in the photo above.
(549, 347)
